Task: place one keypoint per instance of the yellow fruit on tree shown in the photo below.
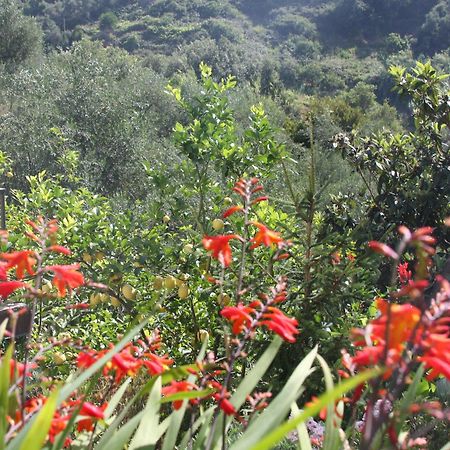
(103, 298)
(183, 291)
(169, 282)
(95, 299)
(59, 358)
(166, 219)
(158, 282)
(129, 292)
(217, 224)
(115, 302)
(99, 256)
(87, 258)
(47, 287)
(188, 249)
(116, 277)
(223, 299)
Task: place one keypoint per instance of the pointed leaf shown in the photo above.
(37, 434)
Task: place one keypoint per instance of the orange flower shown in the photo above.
(66, 277)
(265, 237)
(22, 261)
(156, 365)
(175, 387)
(220, 247)
(403, 320)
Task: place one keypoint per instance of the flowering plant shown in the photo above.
(91, 410)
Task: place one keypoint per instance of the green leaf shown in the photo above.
(5, 374)
(249, 382)
(304, 441)
(278, 409)
(252, 378)
(3, 329)
(121, 437)
(177, 417)
(187, 395)
(333, 422)
(276, 435)
(146, 435)
(115, 399)
(37, 434)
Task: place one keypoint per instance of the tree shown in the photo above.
(108, 21)
(20, 36)
(407, 175)
(434, 33)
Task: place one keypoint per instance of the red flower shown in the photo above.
(59, 249)
(265, 237)
(175, 387)
(383, 249)
(17, 368)
(157, 364)
(225, 405)
(23, 261)
(3, 271)
(66, 277)
(279, 323)
(403, 319)
(125, 364)
(8, 287)
(404, 274)
(231, 211)
(220, 247)
(260, 199)
(92, 413)
(239, 316)
(438, 366)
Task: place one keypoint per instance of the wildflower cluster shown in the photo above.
(30, 263)
(405, 335)
(87, 414)
(129, 361)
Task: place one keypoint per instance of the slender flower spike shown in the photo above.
(66, 277)
(239, 316)
(383, 249)
(220, 247)
(265, 236)
(279, 323)
(231, 211)
(59, 249)
(23, 261)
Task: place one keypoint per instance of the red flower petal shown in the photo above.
(8, 287)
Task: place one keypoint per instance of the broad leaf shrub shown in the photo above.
(98, 406)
